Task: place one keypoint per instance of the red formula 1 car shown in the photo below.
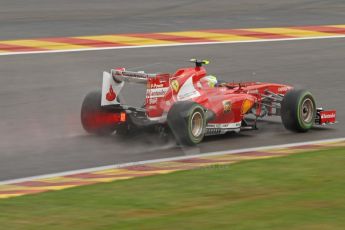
(191, 104)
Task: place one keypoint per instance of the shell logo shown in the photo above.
(175, 85)
(246, 105)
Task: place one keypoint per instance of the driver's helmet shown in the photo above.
(210, 80)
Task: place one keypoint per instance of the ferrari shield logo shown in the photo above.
(175, 85)
(227, 106)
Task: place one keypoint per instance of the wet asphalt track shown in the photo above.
(41, 94)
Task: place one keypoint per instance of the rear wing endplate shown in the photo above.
(113, 82)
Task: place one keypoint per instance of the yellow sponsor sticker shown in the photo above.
(246, 105)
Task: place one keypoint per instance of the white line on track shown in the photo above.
(88, 170)
(168, 45)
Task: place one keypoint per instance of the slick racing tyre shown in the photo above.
(298, 110)
(187, 121)
(93, 115)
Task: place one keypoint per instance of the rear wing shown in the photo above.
(157, 85)
(114, 81)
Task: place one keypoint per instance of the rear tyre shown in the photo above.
(298, 110)
(187, 121)
(92, 113)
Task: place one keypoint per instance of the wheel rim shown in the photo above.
(307, 111)
(197, 124)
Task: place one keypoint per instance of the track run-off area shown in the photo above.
(64, 180)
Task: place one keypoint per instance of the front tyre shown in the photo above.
(298, 110)
(187, 121)
(94, 117)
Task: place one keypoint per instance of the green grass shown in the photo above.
(302, 191)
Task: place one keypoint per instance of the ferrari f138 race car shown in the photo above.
(191, 104)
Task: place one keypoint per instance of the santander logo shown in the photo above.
(327, 116)
(111, 95)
